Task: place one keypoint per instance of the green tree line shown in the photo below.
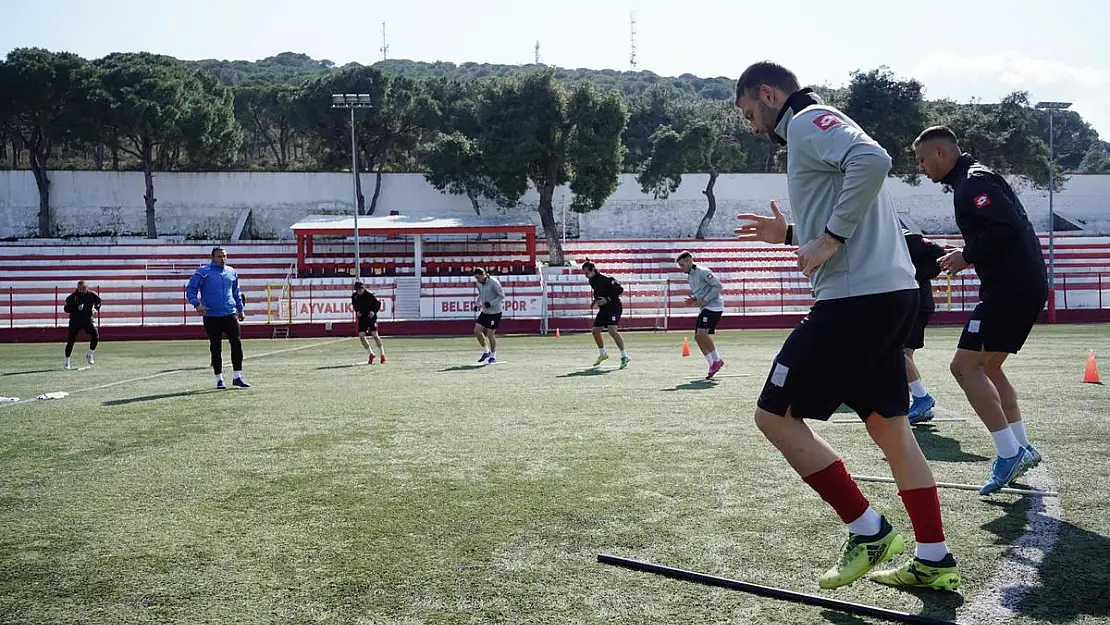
(487, 132)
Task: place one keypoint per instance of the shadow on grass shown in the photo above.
(1074, 576)
(470, 367)
(329, 367)
(935, 604)
(693, 385)
(941, 448)
(27, 372)
(146, 398)
(585, 373)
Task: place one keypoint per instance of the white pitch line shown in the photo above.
(974, 487)
(174, 371)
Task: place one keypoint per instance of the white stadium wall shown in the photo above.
(207, 205)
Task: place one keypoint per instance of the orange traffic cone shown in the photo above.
(557, 335)
(685, 346)
(1090, 376)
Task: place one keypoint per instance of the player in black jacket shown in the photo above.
(1003, 247)
(607, 297)
(80, 305)
(367, 308)
(924, 254)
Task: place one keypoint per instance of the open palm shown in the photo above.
(761, 228)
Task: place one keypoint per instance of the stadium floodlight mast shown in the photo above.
(1050, 107)
(352, 101)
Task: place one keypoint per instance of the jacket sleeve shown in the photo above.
(375, 304)
(236, 294)
(498, 294)
(96, 301)
(69, 305)
(995, 219)
(193, 287)
(613, 289)
(864, 162)
(713, 285)
(924, 254)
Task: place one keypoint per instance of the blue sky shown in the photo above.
(958, 49)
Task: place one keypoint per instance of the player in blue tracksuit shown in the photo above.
(214, 292)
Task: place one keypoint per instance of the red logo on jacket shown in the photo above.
(982, 201)
(826, 121)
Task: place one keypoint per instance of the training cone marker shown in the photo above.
(685, 346)
(1090, 376)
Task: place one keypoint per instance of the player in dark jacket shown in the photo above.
(367, 308)
(607, 297)
(80, 305)
(1001, 244)
(924, 254)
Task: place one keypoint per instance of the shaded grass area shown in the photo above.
(429, 490)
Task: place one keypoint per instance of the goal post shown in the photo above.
(647, 304)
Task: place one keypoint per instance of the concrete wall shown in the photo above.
(206, 205)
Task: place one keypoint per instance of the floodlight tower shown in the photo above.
(352, 101)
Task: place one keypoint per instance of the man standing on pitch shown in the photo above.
(366, 310)
(848, 349)
(1000, 242)
(213, 292)
(705, 294)
(924, 254)
(80, 305)
(607, 297)
(490, 299)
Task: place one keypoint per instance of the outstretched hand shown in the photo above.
(760, 228)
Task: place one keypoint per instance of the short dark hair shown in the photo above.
(766, 73)
(937, 133)
(478, 271)
(358, 283)
(684, 254)
(80, 283)
(589, 265)
(217, 249)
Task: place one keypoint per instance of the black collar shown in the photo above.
(797, 101)
(963, 163)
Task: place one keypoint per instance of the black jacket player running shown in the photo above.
(80, 305)
(607, 297)
(367, 308)
(1000, 242)
(924, 254)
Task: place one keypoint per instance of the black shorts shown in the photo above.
(368, 324)
(608, 315)
(490, 321)
(916, 339)
(708, 319)
(845, 351)
(216, 327)
(1002, 324)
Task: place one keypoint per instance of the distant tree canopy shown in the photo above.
(144, 112)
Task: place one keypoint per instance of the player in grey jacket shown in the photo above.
(489, 301)
(848, 349)
(705, 293)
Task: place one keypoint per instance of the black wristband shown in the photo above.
(835, 236)
(789, 233)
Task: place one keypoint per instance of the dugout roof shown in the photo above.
(396, 225)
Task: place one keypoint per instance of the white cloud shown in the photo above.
(960, 77)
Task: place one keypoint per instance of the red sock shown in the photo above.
(923, 506)
(839, 490)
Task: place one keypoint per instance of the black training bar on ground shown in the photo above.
(773, 593)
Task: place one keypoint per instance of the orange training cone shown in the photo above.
(557, 333)
(685, 346)
(1090, 376)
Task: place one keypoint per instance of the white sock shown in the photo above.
(624, 354)
(917, 388)
(219, 377)
(67, 360)
(868, 524)
(933, 552)
(368, 348)
(238, 375)
(713, 354)
(1019, 433)
(92, 352)
(709, 358)
(1005, 443)
(601, 351)
(493, 354)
